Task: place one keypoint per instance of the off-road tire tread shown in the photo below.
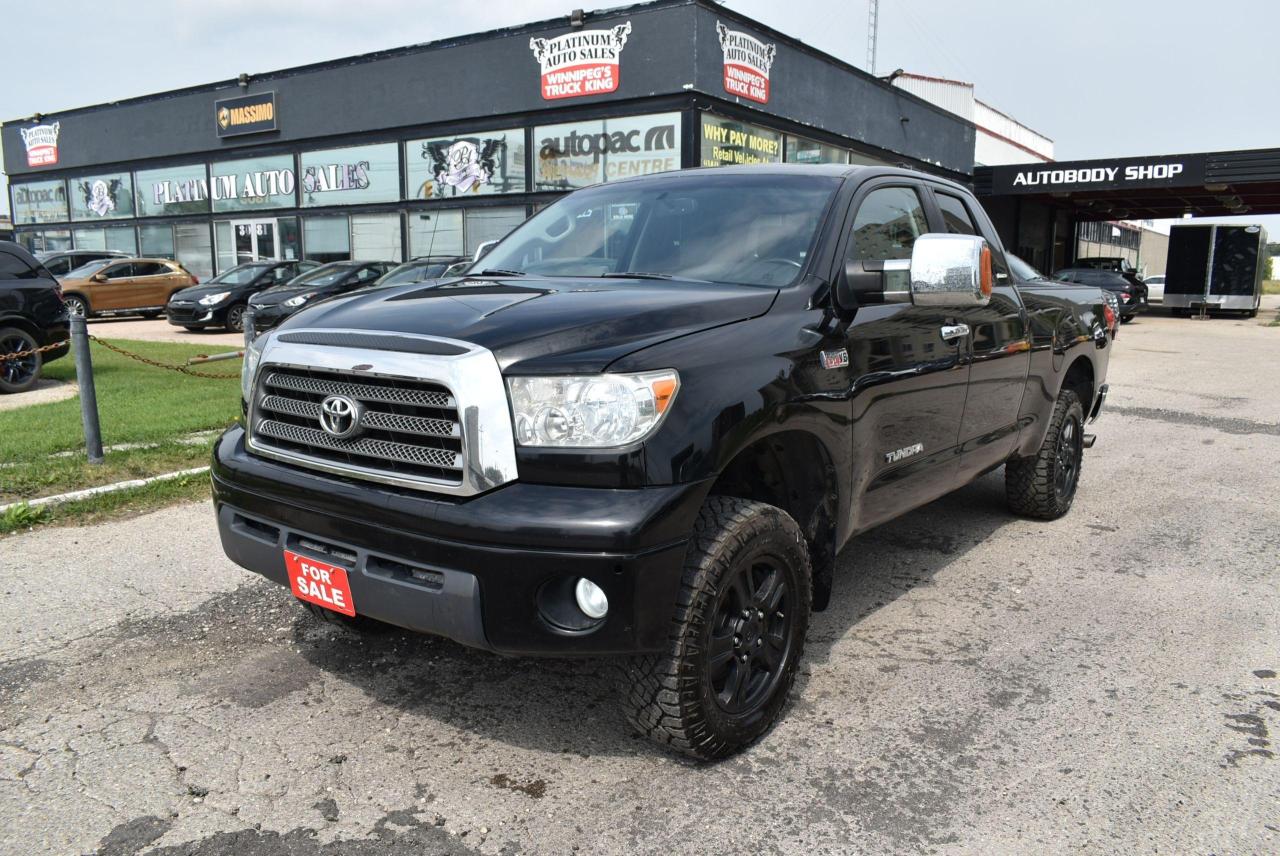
(1028, 482)
(660, 690)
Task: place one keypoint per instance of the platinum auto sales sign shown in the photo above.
(747, 61)
(42, 144)
(586, 62)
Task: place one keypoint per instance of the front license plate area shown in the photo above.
(320, 583)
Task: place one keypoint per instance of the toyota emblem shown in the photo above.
(340, 416)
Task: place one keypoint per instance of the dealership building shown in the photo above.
(433, 149)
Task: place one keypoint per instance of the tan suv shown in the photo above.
(124, 286)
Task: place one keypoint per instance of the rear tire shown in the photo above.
(1044, 486)
(736, 634)
(21, 374)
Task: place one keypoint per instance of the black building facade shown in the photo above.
(434, 149)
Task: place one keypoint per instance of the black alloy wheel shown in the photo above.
(235, 318)
(20, 373)
(750, 634)
(1066, 474)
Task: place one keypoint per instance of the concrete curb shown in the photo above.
(101, 489)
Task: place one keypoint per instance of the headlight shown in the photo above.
(300, 299)
(214, 299)
(252, 353)
(592, 410)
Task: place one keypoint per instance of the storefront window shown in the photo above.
(800, 150)
(40, 202)
(156, 241)
(350, 176)
(253, 184)
(728, 141)
(375, 237)
(101, 197)
(437, 232)
(327, 239)
(581, 153)
(173, 190)
(867, 160)
(120, 238)
(490, 224)
(46, 240)
(194, 251)
(479, 163)
(290, 239)
(91, 239)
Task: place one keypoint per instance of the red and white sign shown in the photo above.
(747, 61)
(319, 583)
(42, 144)
(582, 63)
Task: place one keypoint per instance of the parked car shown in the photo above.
(124, 286)
(1116, 264)
(62, 262)
(32, 316)
(1026, 275)
(221, 301)
(650, 435)
(277, 303)
(1155, 288)
(1133, 298)
(421, 268)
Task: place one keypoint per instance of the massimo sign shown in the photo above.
(245, 114)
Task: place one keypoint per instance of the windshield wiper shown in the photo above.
(499, 272)
(639, 274)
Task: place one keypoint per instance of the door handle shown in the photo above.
(954, 331)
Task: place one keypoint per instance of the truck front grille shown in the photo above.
(409, 430)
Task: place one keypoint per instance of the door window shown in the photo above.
(119, 271)
(887, 224)
(12, 267)
(149, 269)
(955, 215)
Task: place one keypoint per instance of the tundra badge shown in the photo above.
(905, 452)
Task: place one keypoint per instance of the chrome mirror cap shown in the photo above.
(950, 270)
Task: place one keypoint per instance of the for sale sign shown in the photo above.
(747, 61)
(41, 142)
(319, 583)
(583, 63)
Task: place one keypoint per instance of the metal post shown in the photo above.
(88, 395)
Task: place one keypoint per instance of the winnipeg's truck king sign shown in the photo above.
(583, 63)
(747, 61)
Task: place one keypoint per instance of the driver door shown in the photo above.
(906, 361)
(117, 291)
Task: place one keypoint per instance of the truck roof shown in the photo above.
(837, 170)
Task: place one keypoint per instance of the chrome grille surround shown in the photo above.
(464, 446)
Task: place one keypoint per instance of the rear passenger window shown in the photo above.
(149, 269)
(955, 215)
(12, 267)
(887, 224)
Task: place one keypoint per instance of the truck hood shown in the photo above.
(544, 325)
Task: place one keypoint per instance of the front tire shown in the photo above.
(77, 305)
(1044, 486)
(736, 636)
(235, 318)
(20, 374)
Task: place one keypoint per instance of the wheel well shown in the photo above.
(78, 295)
(25, 326)
(1080, 378)
(792, 471)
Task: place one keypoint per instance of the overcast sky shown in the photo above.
(1101, 79)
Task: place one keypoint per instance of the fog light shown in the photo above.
(591, 599)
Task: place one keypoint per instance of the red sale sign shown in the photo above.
(747, 62)
(582, 63)
(319, 583)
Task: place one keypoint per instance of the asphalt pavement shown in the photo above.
(1105, 683)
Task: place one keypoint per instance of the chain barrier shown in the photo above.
(15, 355)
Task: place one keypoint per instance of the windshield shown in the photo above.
(1023, 271)
(413, 272)
(241, 275)
(739, 228)
(323, 275)
(88, 269)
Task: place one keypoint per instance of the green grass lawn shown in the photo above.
(1271, 286)
(137, 404)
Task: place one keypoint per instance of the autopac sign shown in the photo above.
(245, 114)
(1163, 171)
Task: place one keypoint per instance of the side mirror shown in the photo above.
(98, 277)
(482, 249)
(951, 270)
(944, 270)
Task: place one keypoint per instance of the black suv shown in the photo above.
(62, 262)
(272, 306)
(1132, 293)
(221, 301)
(422, 268)
(31, 316)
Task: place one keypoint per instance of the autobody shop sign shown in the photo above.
(587, 62)
(747, 62)
(1166, 171)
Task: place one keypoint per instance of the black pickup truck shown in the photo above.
(649, 420)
